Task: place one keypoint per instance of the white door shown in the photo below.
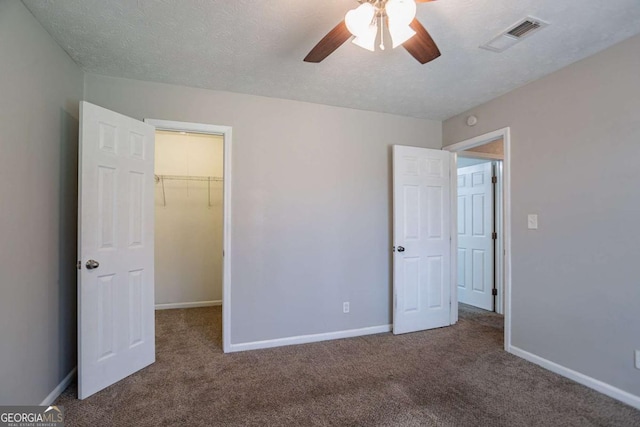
(421, 233)
(116, 331)
(475, 242)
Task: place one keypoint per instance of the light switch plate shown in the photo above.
(532, 222)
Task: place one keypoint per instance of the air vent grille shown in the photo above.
(515, 34)
(524, 28)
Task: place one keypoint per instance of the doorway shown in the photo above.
(479, 204)
(188, 219)
(494, 147)
(214, 191)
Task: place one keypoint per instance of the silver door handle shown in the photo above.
(92, 264)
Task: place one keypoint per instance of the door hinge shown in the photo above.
(494, 291)
(494, 179)
(79, 265)
(494, 235)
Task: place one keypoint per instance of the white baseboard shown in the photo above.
(597, 385)
(188, 304)
(304, 339)
(59, 388)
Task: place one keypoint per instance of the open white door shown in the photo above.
(475, 240)
(421, 233)
(116, 330)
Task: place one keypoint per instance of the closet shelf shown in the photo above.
(188, 178)
(160, 179)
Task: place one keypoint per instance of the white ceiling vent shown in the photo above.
(515, 34)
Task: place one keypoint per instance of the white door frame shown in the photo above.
(499, 219)
(505, 134)
(226, 133)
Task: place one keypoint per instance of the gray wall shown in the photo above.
(575, 154)
(40, 88)
(311, 202)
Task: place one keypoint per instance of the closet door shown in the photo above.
(116, 333)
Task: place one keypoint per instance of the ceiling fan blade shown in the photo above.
(421, 46)
(329, 43)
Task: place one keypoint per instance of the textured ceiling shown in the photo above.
(257, 47)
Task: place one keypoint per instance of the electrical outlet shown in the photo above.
(345, 307)
(637, 359)
(532, 222)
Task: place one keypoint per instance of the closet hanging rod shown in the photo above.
(188, 178)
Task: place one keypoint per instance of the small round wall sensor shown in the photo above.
(472, 120)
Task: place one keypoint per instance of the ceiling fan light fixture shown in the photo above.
(362, 22)
(359, 20)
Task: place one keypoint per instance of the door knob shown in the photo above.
(92, 264)
(400, 248)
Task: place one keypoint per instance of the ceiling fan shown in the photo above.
(362, 22)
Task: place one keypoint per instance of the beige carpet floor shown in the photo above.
(455, 376)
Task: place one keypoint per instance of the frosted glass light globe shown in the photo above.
(359, 19)
(367, 39)
(401, 12)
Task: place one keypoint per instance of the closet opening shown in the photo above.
(188, 219)
(192, 223)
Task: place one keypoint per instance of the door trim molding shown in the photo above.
(505, 134)
(499, 213)
(226, 133)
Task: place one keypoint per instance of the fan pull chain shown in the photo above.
(381, 32)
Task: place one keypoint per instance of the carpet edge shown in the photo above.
(592, 383)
